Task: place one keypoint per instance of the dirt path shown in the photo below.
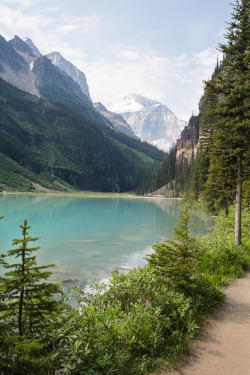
(224, 347)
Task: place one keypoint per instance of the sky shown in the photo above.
(160, 49)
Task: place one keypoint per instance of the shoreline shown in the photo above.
(88, 194)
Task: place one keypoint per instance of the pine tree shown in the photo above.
(229, 123)
(29, 310)
(175, 262)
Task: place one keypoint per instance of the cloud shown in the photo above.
(52, 9)
(66, 29)
(112, 69)
(207, 57)
(81, 24)
(24, 3)
(43, 26)
(19, 22)
(176, 81)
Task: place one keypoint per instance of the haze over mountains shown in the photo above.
(117, 120)
(52, 137)
(86, 146)
(134, 115)
(150, 120)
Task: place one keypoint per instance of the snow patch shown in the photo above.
(163, 144)
(125, 104)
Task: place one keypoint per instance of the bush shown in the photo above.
(222, 259)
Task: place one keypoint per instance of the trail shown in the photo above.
(224, 347)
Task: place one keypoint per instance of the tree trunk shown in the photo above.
(20, 310)
(238, 201)
(20, 313)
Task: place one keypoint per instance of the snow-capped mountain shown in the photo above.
(150, 120)
(58, 60)
(116, 120)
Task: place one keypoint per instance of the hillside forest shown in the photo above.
(142, 321)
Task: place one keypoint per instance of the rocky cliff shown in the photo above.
(188, 143)
(35, 74)
(116, 119)
(58, 60)
(34, 49)
(150, 120)
(17, 60)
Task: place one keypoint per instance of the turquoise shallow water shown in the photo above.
(88, 237)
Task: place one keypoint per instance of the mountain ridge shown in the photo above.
(116, 119)
(77, 75)
(149, 119)
(54, 145)
(51, 134)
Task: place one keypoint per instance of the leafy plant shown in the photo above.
(222, 259)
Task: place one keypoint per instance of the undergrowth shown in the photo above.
(139, 317)
(145, 317)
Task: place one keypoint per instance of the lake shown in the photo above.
(87, 237)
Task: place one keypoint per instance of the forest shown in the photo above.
(218, 174)
(52, 143)
(146, 318)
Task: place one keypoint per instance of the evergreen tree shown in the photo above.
(201, 165)
(175, 262)
(229, 124)
(166, 173)
(29, 310)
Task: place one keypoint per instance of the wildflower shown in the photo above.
(148, 303)
(143, 295)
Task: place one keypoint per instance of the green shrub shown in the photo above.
(124, 328)
(222, 259)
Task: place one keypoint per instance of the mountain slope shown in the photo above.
(37, 75)
(117, 120)
(149, 119)
(34, 49)
(58, 60)
(54, 145)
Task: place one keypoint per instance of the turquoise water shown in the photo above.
(88, 237)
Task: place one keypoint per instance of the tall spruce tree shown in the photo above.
(230, 127)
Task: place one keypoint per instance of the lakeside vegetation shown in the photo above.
(146, 318)
(143, 319)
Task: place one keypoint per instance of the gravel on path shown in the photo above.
(224, 346)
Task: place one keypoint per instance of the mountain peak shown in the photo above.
(131, 103)
(58, 60)
(34, 49)
(149, 119)
(9, 56)
(21, 46)
(116, 120)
